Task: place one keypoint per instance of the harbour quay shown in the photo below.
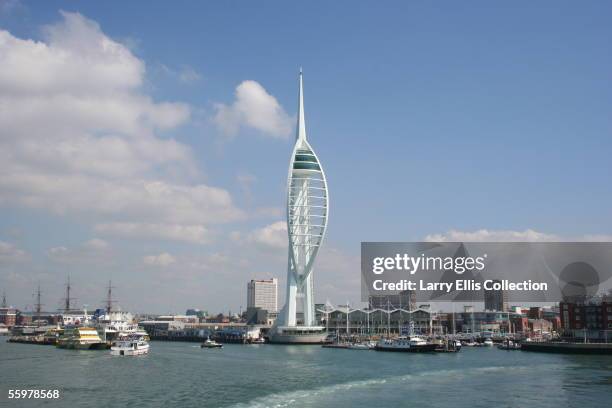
(568, 348)
(174, 328)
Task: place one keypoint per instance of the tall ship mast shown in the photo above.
(68, 299)
(109, 298)
(307, 212)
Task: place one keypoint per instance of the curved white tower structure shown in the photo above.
(307, 211)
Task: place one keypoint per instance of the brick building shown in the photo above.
(590, 318)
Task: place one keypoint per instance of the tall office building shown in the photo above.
(496, 300)
(263, 293)
(307, 210)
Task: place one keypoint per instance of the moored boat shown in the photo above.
(509, 345)
(130, 346)
(449, 346)
(359, 346)
(412, 344)
(81, 338)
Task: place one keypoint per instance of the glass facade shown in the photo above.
(306, 166)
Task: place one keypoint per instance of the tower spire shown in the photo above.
(301, 125)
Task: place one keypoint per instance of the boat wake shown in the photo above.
(309, 396)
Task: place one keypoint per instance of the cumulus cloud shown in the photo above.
(78, 134)
(528, 235)
(164, 259)
(10, 253)
(196, 234)
(273, 235)
(253, 107)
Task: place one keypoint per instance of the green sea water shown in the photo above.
(183, 375)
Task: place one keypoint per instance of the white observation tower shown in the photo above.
(307, 210)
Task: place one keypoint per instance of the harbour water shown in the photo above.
(182, 374)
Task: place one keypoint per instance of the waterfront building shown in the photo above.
(588, 318)
(219, 318)
(500, 323)
(195, 312)
(256, 315)
(496, 300)
(474, 322)
(177, 318)
(343, 320)
(540, 326)
(36, 318)
(159, 329)
(403, 300)
(307, 211)
(8, 316)
(263, 293)
(75, 317)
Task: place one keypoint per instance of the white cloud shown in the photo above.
(79, 135)
(197, 234)
(528, 235)
(273, 235)
(96, 244)
(164, 259)
(254, 107)
(10, 253)
(92, 250)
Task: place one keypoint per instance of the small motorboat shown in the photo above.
(359, 346)
(488, 342)
(509, 345)
(211, 344)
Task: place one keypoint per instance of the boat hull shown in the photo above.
(137, 352)
(425, 348)
(83, 346)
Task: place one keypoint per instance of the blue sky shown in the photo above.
(428, 118)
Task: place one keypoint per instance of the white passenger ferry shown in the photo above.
(130, 346)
